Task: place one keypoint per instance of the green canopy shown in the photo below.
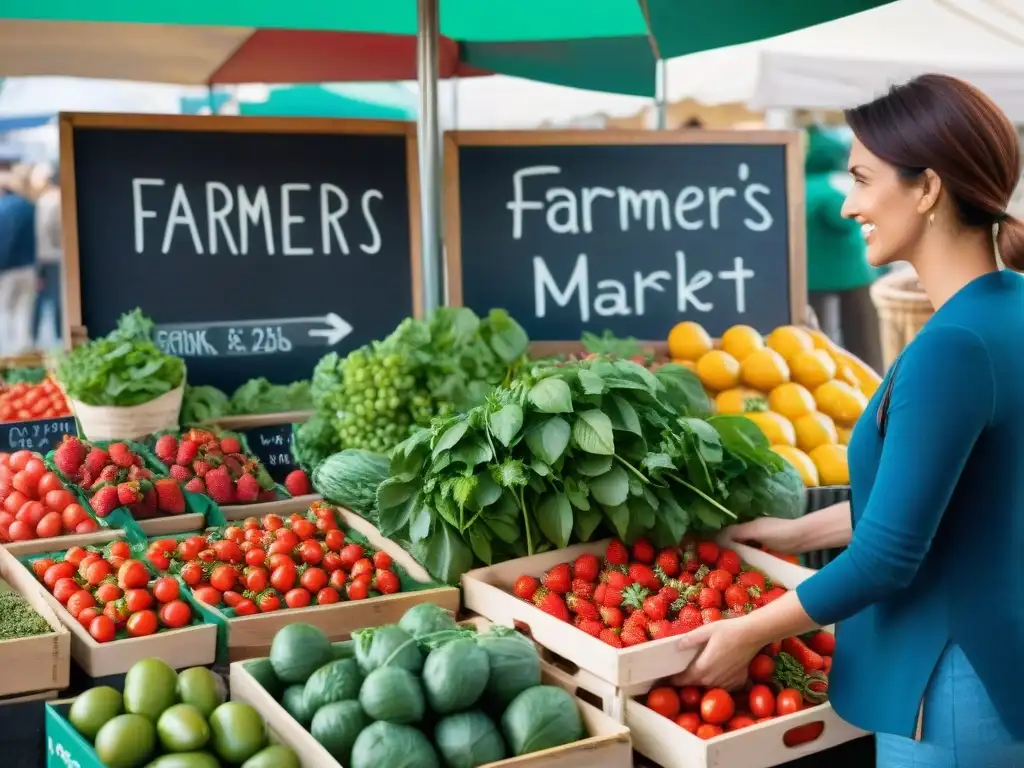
(377, 101)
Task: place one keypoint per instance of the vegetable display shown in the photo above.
(271, 564)
(204, 462)
(124, 368)
(166, 719)
(350, 479)
(205, 403)
(25, 401)
(423, 693)
(35, 503)
(110, 593)
(639, 593)
(573, 451)
(17, 617)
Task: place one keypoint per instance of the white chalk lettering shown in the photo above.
(252, 211)
(329, 217)
(519, 204)
(686, 289)
(140, 214)
(544, 284)
(217, 215)
(375, 240)
(740, 274)
(288, 220)
(181, 214)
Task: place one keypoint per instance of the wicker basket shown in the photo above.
(903, 309)
(104, 422)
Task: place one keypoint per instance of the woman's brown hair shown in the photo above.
(949, 126)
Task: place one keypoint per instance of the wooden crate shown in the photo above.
(33, 664)
(488, 591)
(283, 507)
(192, 646)
(238, 423)
(250, 636)
(608, 745)
(171, 525)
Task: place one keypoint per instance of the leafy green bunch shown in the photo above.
(123, 368)
(574, 451)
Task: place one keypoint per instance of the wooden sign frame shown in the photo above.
(75, 332)
(795, 198)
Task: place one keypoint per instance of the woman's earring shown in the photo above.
(931, 218)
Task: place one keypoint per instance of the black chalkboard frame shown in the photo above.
(791, 141)
(74, 332)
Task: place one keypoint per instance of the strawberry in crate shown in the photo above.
(204, 462)
(116, 476)
(636, 594)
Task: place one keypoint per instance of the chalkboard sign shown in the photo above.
(40, 436)
(256, 245)
(273, 446)
(626, 231)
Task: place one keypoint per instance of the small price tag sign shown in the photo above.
(273, 446)
(41, 436)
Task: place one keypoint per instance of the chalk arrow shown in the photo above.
(337, 329)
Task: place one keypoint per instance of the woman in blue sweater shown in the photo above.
(930, 624)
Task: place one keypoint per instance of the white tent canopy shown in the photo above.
(851, 60)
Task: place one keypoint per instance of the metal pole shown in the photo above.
(661, 95)
(431, 246)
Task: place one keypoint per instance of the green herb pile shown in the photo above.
(371, 398)
(17, 617)
(205, 403)
(23, 375)
(576, 451)
(122, 369)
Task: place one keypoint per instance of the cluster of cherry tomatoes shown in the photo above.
(109, 592)
(28, 402)
(34, 503)
(272, 563)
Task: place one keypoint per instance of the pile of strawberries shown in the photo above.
(785, 677)
(117, 477)
(274, 563)
(34, 502)
(641, 594)
(109, 592)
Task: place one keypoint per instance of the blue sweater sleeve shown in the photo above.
(942, 398)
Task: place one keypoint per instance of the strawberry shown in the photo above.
(599, 592)
(247, 489)
(707, 552)
(559, 578)
(729, 560)
(201, 467)
(105, 500)
(297, 483)
(616, 553)
(668, 562)
(220, 487)
(70, 456)
(539, 594)
(633, 597)
(553, 605)
(235, 466)
(772, 594)
(689, 618)
(644, 576)
(95, 461)
(187, 452)
(718, 579)
(612, 597)
(823, 643)
(711, 614)
(635, 619)
(166, 448)
(611, 615)
(643, 551)
(686, 578)
(135, 472)
(668, 594)
(735, 595)
(751, 579)
(585, 589)
(129, 493)
(581, 607)
(195, 485)
(709, 598)
(701, 574)
(270, 495)
(180, 473)
(525, 587)
(773, 649)
(110, 474)
(86, 479)
(659, 628)
(656, 607)
(586, 567)
(797, 648)
(121, 454)
(632, 636)
(592, 627)
(611, 637)
(232, 445)
(169, 497)
(618, 580)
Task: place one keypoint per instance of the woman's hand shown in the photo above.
(725, 659)
(774, 533)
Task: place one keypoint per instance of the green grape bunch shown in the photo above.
(374, 413)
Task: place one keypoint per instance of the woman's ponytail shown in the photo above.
(1010, 241)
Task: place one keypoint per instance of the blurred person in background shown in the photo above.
(49, 249)
(839, 276)
(17, 261)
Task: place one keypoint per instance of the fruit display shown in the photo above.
(205, 403)
(274, 563)
(801, 389)
(640, 593)
(115, 475)
(425, 692)
(785, 677)
(425, 368)
(110, 593)
(25, 401)
(215, 465)
(168, 719)
(35, 503)
(573, 451)
(17, 617)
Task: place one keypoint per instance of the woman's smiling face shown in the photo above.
(886, 206)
